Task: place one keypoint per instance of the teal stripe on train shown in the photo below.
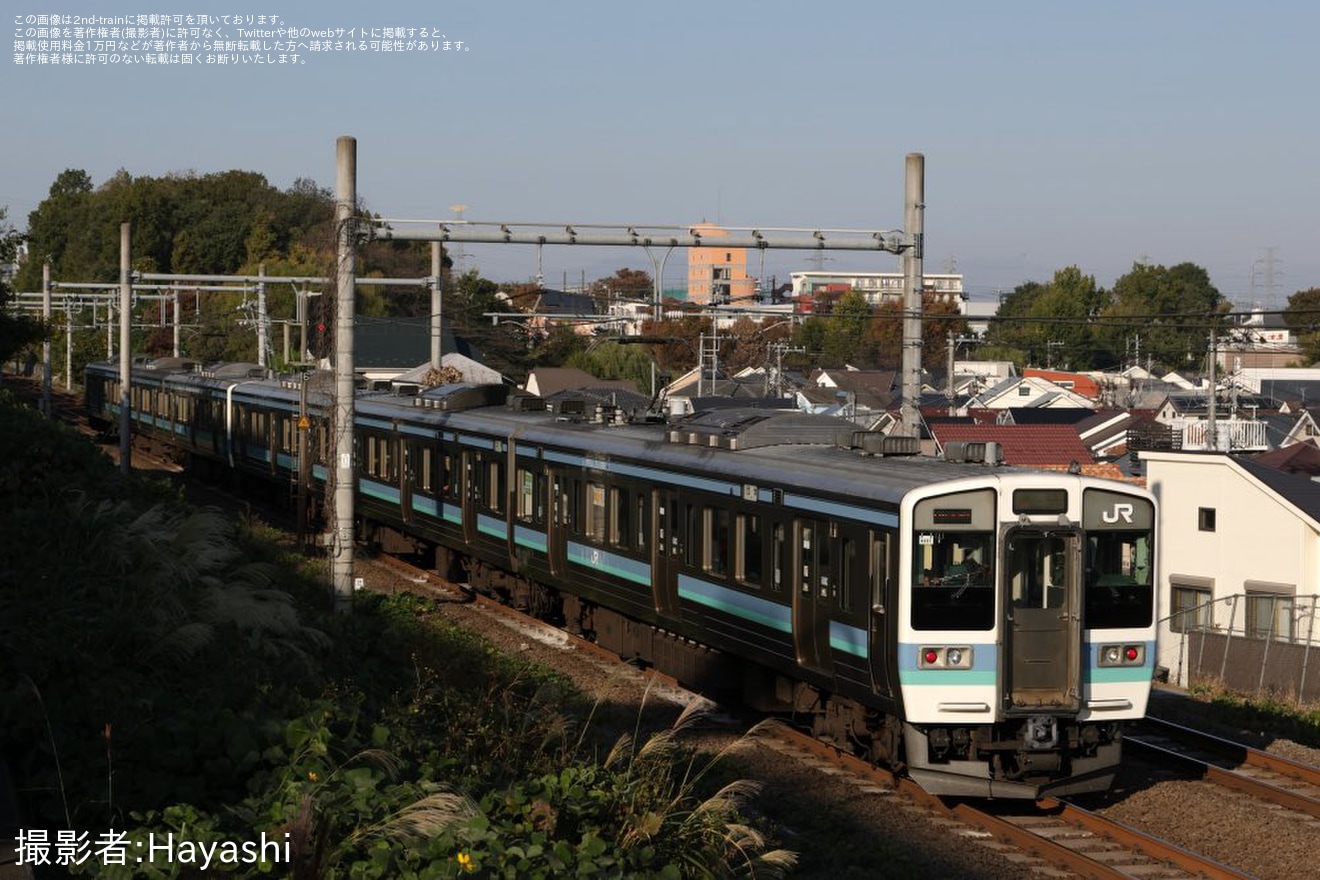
(611, 563)
(750, 608)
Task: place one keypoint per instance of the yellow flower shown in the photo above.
(464, 861)
(311, 774)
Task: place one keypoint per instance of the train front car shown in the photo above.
(1026, 632)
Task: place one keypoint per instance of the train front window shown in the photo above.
(953, 580)
(1120, 588)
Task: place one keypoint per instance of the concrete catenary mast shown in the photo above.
(341, 541)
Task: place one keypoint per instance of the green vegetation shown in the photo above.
(235, 222)
(163, 669)
(1261, 712)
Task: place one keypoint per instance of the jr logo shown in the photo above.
(1121, 510)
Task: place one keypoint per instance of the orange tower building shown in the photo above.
(717, 275)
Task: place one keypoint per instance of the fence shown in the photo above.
(1261, 650)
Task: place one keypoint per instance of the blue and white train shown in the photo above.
(987, 629)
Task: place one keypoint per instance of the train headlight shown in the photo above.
(1122, 655)
(945, 657)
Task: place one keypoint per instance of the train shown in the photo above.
(986, 630)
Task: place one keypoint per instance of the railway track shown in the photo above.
(1271, 778)
(1052, 838)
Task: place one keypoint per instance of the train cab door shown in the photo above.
(1043, 637)
(814, 591)
(667, 550)
(556, 537)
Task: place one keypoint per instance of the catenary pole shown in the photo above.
(125, 345)
(341, 547)
(914, 204)
(45, 344)
(437, 328)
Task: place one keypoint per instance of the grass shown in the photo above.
(1271, 712)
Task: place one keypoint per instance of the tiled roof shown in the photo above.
(1299, 458)
(1030, 445)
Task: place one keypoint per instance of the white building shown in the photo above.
(878, 287)
(1239, 546)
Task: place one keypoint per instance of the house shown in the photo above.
(869, 389)
(1240, 562)
(545, 381)
(1028, 391)
(1082, 383)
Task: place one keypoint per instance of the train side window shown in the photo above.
(777, 542)
(749, 549)
(643, 510)
(451, 476)
(691, 531)
(879, 567)
(493, 484)
(847, 560)
(716, 521)
(619, 511)
(372, 466)
(425, 480)
(595, 510)
(527, 486)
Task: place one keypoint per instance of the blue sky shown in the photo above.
(1054, 133)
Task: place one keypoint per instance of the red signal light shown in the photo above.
(932, 656)
(1132, 653)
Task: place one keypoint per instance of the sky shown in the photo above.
(1054, 134)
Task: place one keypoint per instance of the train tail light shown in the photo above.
(1122, 655)
(944, 657)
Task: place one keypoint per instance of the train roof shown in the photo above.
(739, 445)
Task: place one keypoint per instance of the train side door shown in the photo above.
(470, 487)
(1043, 637)
(666, 551)
(407, 477)
(813, 593)
(557, 526)
(880, 642)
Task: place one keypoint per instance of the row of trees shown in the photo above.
(235, 222)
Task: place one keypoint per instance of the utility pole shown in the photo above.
(780, 349)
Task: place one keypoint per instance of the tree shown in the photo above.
(1302, 315)
(940, 317)
(750, 342)
(1169, 309)
(610, 360)
(16, 331)
(630, 284)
